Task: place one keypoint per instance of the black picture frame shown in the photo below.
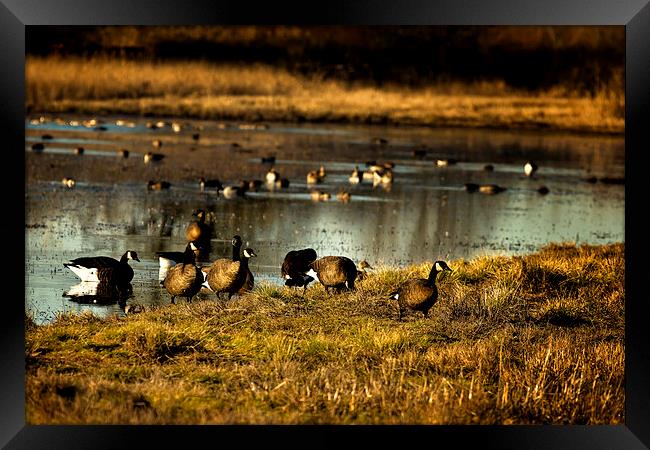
(15, 15)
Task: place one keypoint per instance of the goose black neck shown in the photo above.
(124, 258)
(188, 256)
(235, 252)
(432, 275)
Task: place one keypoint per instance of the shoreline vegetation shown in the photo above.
(533, 339)
(256, 92)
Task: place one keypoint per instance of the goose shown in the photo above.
(336, 272)
(445, 162)
(176, 127)
(236, 243)
(343, 196)
(184, 279)
(47, 137)
(419, 153)
(124, 153)
(383, 177)
(158, 185)
(198, 230)
(268, 159)
(196, 136)
(490, 189)
(250, 278)
(272, 176)
(379, 141)
(471, 187)
(321, 172)
(150, 156)
(79, 151)
(488, 168)
(313, 177)
(295, 267)
(103, 268)
(281, 183)
(157, 143)
(229, 276)
(68, 182)
(320, 196)
(38, 147)
(361, 271)
(254, 185)
(543, 190)
(530, 168)
(231, 192)
(161, 124)
(420, 294)
(356, 176)
(166, 260)
(210, 183)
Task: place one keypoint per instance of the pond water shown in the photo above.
(425, 214)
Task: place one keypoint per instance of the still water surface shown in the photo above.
(425, 215)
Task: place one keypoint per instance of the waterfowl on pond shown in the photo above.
(338, 272)
(253, 185)
(209, 183)
(445, 162)
(321, 172)
(152, 157)
(176, 127)
(231, 192)
(471, 187)
(68, 182)
(295, 266)
(167, 260)
(384, 177)
(543, 190)
(198, 230)
(419, 294)
(488, 168)
(47, 137)
(250, 278)
(343, 196)
(226, 276)
(268, 159)
(158, 185)
(184, 279)
(490, 189)
(379, 141)
(103, 268)
(312, 177)
(530, 168)
(157, 143)
(419, 153)
(79, 151)
(124, 153)
(361, 270)
(281, 183)
(195, 136)
(356, 176)
(320, 196)
(38, 147)
(272, 176)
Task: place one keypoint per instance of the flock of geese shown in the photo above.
(180, 275)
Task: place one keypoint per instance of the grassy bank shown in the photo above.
(263, 93)
(534, 339)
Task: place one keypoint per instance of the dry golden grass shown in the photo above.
(521, 340)
(204, 90)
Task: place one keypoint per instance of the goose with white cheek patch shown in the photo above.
(419, 294)
(104, 268)
(226, 276)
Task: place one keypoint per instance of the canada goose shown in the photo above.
(280, 183)
(47, 137)
(235, 145)
(379, 141)
(236, 243)
(150, 156)
(231, 192)
(543, 190)
(198, 230)
(343, 196)
(530, 168)
(420, 294)
(361, 271)
(254, 185)
(229, 276)
(176, 127)
(157, 143)
(151, 125)
(313, 177)
(79, 151)
(419, 153)
(38, 147)
(161, 124)
(356, 176)
(250, 279)
(158, 185)
(210, 183)
(490, 189)
(320, 196)
(268, 159)
(124, 153)
(445, 162)
(69, 182)
(382, 177)
(471, 187)
(195, 136)
(272, 176)
(591, 179)
(167, 260)
(336, 272)
(103, 268)
(295, 267)
(488, 168)
(184, 279)
(321, 172)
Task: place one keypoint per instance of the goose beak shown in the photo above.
(136, 258)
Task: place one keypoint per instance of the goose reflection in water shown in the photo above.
(99, 293)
